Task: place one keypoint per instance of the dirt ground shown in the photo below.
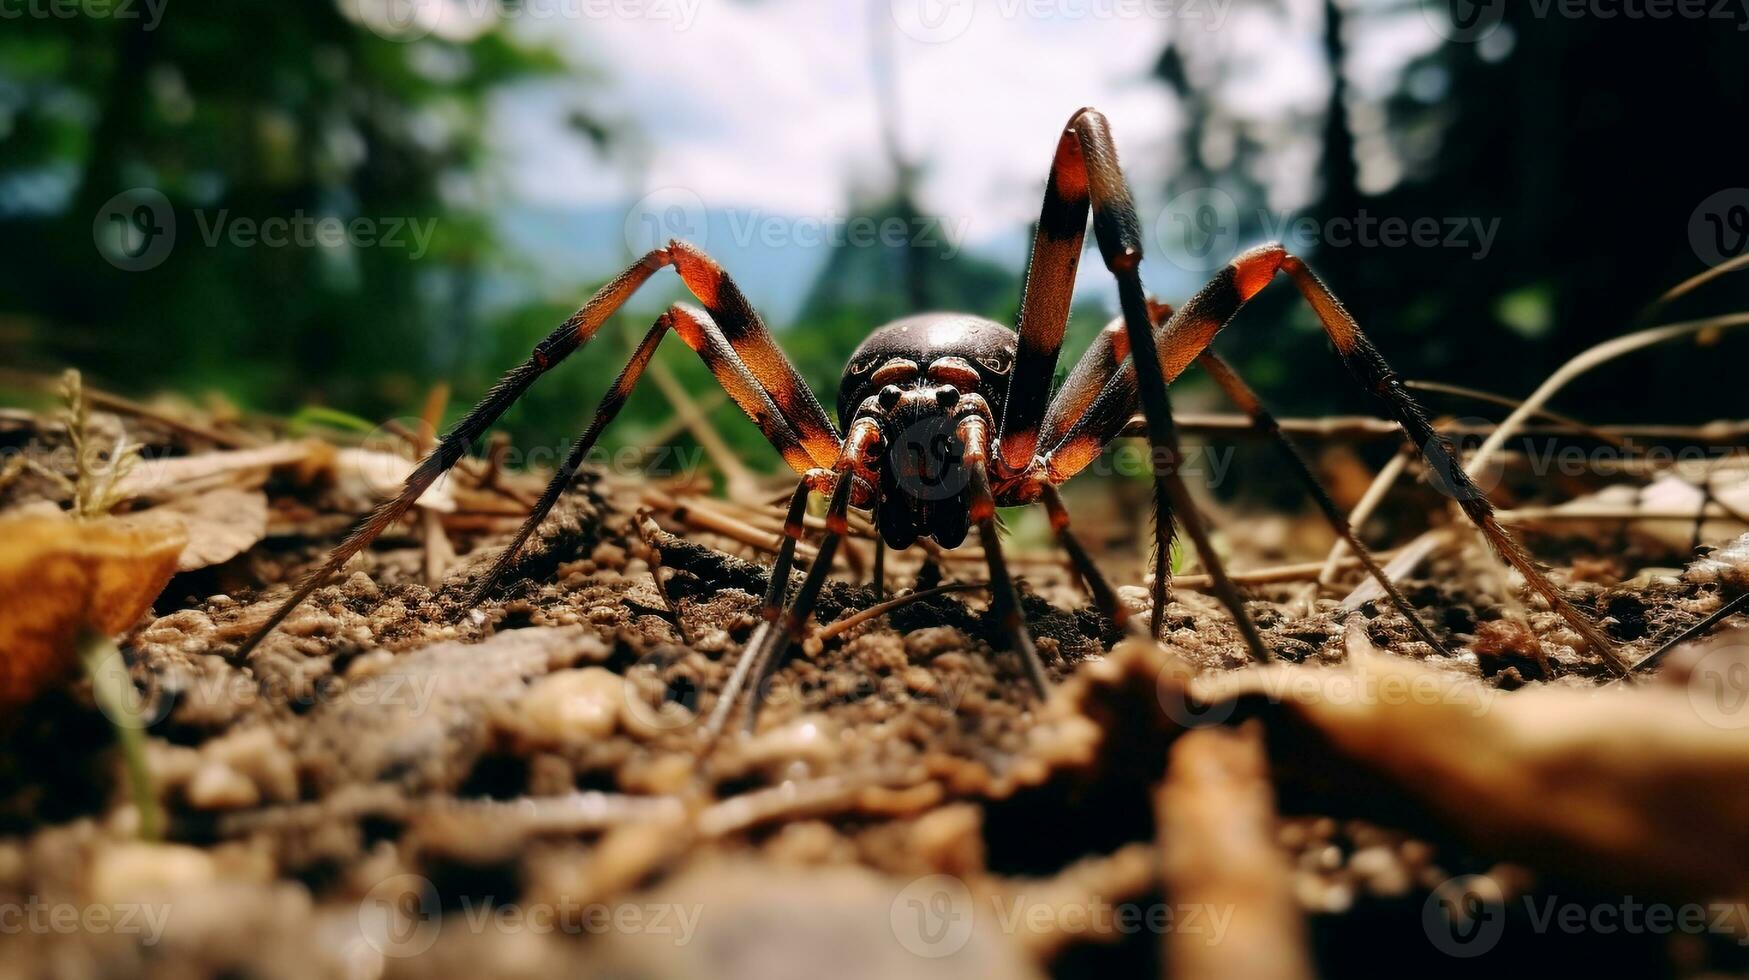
(393, 784)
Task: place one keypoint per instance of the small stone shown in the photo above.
(571, 704)
(609, 555)
(216, 786)
(131, 870)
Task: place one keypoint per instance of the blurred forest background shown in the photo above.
(1596, 141)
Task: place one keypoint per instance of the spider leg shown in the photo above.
(1191, 329)
(700, 332)
(741, 327)
(780, 626)
(879, 577)
(1104, 596)
(974, 434)
(1241, 395)
(1085, 174)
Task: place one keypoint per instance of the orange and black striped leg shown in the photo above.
(1241, 395)
(1044, 304)
(741, 330)
(1090, 171)
(558, 345)
(763, 654)
(974, 435)
(697, 329)
(1189, 331)
(779, 626)
(1104, 596)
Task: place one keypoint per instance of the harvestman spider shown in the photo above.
(947, 417)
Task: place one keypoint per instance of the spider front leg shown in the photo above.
(781, 626)
(1085, 176)
(973, 433)
(754, 370)
(700, 333)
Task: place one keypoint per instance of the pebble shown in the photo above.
(216, 786)
(571, 704)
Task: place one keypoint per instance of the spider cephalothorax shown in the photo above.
(917, 379)
(947, 416)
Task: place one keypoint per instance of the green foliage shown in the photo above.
(244, 114)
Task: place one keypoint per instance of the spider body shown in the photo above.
(945, 416)
(916, 379)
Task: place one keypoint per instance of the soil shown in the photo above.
(394, 784)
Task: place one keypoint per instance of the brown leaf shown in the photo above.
(1643, 787)
(219, 524)
(59, 576)
(160, 479)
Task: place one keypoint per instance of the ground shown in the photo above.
(397, 784)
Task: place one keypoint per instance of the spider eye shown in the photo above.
(862, 368)
(995, 364)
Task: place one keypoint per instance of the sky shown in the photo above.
(767, 108)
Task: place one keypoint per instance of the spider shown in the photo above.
(946, 417)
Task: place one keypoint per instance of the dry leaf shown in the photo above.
(1641, 787)
(59, 576)
(159, 479)
(219, 524)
